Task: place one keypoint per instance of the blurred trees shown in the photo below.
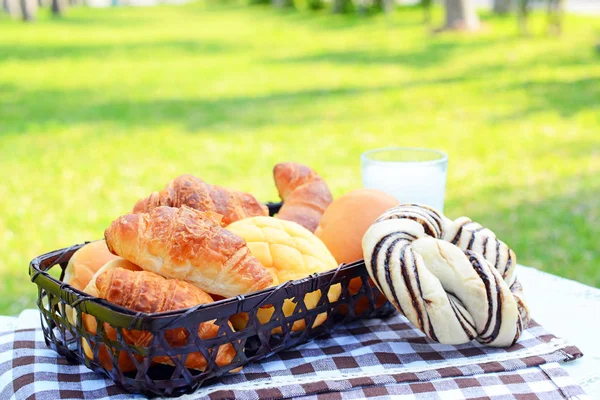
(12, 7)
(341, 6)
(426, 5)
(555, 10)
(28, 9)
(461, 15)
(501, 6)
(458, 14)
(522, 14)
(385, 5)
(58, 7)
(282, 3)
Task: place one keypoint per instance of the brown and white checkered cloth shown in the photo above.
(368, 358)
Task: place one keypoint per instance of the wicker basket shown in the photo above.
(67, 336)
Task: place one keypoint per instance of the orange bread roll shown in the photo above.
(346, 220)
(85, 262)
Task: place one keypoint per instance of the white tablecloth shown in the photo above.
(565, 308)
(570, 310)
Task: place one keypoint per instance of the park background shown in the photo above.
(99, 107)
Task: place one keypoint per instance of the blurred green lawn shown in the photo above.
(104, 106)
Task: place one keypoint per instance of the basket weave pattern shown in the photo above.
(62, 307)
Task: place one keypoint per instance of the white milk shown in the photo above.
(409, 182)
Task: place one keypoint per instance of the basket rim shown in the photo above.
(127, 318)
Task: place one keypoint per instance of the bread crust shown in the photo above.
(191, 191)
(304, 193)
(187, 244)
(151, 293)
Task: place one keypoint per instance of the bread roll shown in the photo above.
(454, 280)
(85, 262)
(289, 252)
(346, 220)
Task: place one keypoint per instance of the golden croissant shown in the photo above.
(90, 324)
(304, 193)
(187, 244)
(151, 293)
(188, 190)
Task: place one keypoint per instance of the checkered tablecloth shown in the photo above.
(368, 358)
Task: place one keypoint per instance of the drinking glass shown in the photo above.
(411, 175)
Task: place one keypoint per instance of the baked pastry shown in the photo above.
(90, 324)
(289, 252)
(150, 293)
(305, 194)
(454, 280)
(343, 226)
(346, 220)
(187, 244)
(85, 262)
(188, 190)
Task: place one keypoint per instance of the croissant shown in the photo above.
(454, 280)
(305, 194)
(90, 324)
(187, 190)
(187, 244)
(151, 293)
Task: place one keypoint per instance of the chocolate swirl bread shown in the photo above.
(454, 280)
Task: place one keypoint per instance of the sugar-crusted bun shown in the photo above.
(289, 251)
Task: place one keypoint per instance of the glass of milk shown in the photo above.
(412, 175)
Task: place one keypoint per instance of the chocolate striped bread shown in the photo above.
(454, 280)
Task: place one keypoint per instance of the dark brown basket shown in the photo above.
(256, 341)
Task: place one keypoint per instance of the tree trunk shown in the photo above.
(388, 6)
(523, 13)
(340, 6)
(501, 7)
(28, 9)
(426, 4)
(12, 8)
(556, 11)
(58, 7)
(283, 3)
(315, 4)
(461, 15)
(384, 5)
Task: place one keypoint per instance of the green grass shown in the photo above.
(104, 106)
